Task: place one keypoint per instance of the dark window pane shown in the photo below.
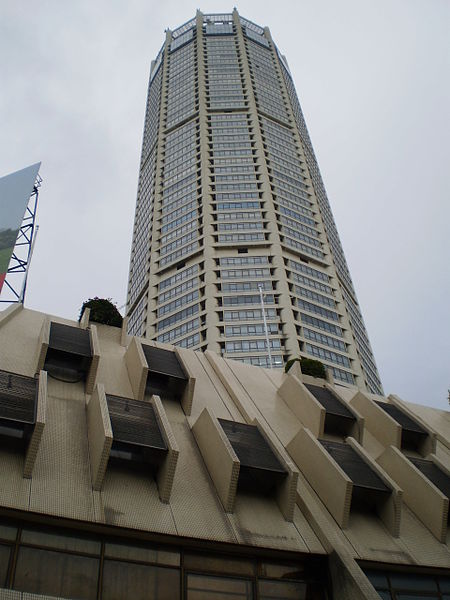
(279, 571)
(5, 551)
(56, 574)
(200, 587)
(7, 532)
(139, 582)
(219, 564)
(414, 597)
(377, 579)
(386, 595)
(141, 553)
(282, 590)
(61, 542)
(444, 584)
(422, 583)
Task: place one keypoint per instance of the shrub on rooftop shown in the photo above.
(103, 310)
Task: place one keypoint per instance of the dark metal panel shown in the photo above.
(407, 423)
(18, 395)
(134, 422)
(164, 362)
(329, 401)
(69, 339)
(260, 470)
(433, 473)
(250, 446)
(354, 466)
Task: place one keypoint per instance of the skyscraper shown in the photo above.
(232, 219)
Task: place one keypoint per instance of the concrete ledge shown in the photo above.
(41, 410)
(10, 312)
(333, 486)
(44, 338)
(166, 472)
(428, 446)
(303, 404)
(425, 500)
(124, 337)
(233, 387)
(137, 368)
(100, 435)
(93, 369)
(348, 579)
(357, 429)
(381, 425)
(84, 321)
(188, 394)
(389, 511)
(286, 492)
(317, 380)
(220, 458)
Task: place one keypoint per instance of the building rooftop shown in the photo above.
(192, 493)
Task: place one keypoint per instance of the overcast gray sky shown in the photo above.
(373, 80)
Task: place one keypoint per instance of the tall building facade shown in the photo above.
(232, 219)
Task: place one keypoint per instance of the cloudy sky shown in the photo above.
(373, 80)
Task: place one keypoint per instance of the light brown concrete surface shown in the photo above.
(305, 407)
(425, 500)
(137, 368)
(286, 492)
(62, 476)
(390, 511)
(428, 445)
(41, 411)
(166, 471)
(188, 393)
(327, 478)
(381, 425)
(219, 456)
(100, 435)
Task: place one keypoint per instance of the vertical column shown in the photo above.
(153, 278)
(331, 269)
(210, 300)
(285, 307)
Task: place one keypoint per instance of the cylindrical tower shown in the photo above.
(230, 198)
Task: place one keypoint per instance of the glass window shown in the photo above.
(140, 582)
(143, 554)
(202, 587)
(62, 542)
(218, 564)
(412, 582)
(377, 579)
(56, 574)
(280, 571)
(4, 562)
(282, 590)
(412, 597)
(444, 584)
(7, 532)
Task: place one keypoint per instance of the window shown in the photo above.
(409, 586)
(76, 564)
(203, 587)
(138, 581)
(56, 573)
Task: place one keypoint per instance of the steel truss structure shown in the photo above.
(15, 284)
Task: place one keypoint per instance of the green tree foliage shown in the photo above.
(103, 310)
(309, 366)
